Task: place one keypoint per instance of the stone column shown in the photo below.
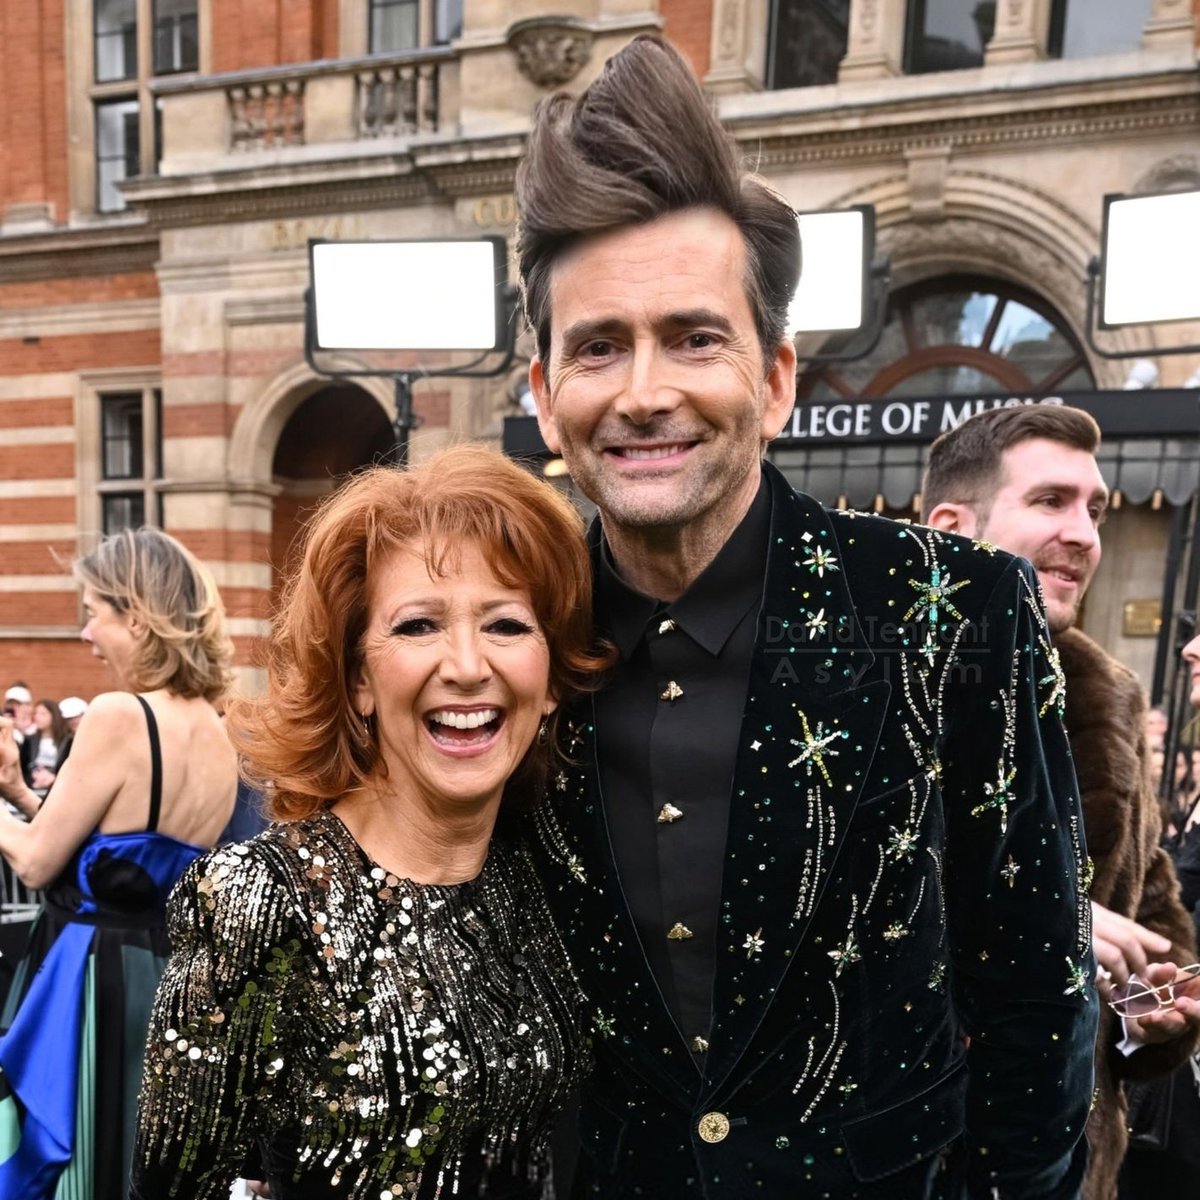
(875, 48)
(1172, 25)
(738, 54)
(1021, 32)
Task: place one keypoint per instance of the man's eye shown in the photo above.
(414, 627)
(509, 627)
(597, 349)
(700, 341)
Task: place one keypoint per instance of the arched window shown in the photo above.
(960, 335)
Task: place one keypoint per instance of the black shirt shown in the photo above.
(667, 729)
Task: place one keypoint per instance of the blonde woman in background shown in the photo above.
(148, 787)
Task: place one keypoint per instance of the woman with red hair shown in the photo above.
(369, 998)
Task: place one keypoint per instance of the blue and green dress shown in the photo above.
(73, 1030)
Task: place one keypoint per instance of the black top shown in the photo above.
(667, 730)
(155, 766)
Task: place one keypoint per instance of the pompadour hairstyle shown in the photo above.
(303, 737)
(641, 142)
(965, 464)
(185, 647)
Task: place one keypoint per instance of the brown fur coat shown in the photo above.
(1105, 721)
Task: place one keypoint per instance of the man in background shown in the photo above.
(1026, 480)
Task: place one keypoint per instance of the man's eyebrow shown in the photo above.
(688, 318)
(1069, 489)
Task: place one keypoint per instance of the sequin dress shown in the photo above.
(75, 1019)
(351, 1034)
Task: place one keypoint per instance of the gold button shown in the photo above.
(679, 932)
(671, 692)
(699, 1045)
(665, 626)
(669, 814)
(713, 1127)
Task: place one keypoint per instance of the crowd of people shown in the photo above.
(737, 848)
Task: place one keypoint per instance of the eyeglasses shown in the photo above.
(1136, 998)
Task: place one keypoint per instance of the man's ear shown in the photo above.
(780, 390)
(953, 518)
(539, 385)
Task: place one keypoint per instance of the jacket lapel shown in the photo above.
(809, 734)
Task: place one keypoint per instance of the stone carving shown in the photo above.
(729, 30)
(267, 115)
(550, 51)
(1180, 173)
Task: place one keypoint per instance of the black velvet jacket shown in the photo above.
(904, 949)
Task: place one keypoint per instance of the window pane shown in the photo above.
(448, 20)
(176, 46)
(1084, 28)
(949, 380)
(393, 25)
(121, 436)
(952, 318)
(116, 39)
(124, 510)
(947, 35)
(806, 42)
(117, 151)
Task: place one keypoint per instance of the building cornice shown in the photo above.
(832, 125)
(95, 250)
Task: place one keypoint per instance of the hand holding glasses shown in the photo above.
(1137, 998)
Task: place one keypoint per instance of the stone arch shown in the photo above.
(260, 423)
(988, 224)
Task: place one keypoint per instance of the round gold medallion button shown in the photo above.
(713, 1127)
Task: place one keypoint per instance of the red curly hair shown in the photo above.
(303, 736)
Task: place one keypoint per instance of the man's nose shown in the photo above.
(1080, 528)
(649, 387)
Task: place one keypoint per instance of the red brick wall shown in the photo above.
(141, 285)
(33, 122)
(264, 33)
(688, 24)
(54, 669)
(79, 352)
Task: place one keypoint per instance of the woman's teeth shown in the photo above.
(465, 720)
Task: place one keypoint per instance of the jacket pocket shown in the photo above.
(917, 1128)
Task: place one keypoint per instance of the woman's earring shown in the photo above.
(366, 720)
(544, 731)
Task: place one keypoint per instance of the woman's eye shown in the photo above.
(413, 627)
(510, 627)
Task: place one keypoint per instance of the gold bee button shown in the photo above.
(679, 932)
(713, 1127)
(669, 814)
(671, 692)
(699, 1045)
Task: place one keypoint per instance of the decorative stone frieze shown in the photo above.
(550, 51)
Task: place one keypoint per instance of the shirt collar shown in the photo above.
(710, 610)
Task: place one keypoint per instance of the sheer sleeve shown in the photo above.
(217, 1038)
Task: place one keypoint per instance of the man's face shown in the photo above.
(654, 392)
(1048, 508)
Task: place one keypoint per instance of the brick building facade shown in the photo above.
(164, 162)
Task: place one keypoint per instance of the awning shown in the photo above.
(871, 453)
(889, 475)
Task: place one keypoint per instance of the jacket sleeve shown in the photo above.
(219, 1025)
(1018, 915)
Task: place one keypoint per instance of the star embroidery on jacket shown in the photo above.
(1077, 979)
(980, 544)
(753, 945)
(902, 843)
(999, 794)
(1056, 681)
(576, 867)
(846, 954)
(1009, 873)
(816, 624)
(934, 595)
(816, 747)
(821, 560)
(602, 1025)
